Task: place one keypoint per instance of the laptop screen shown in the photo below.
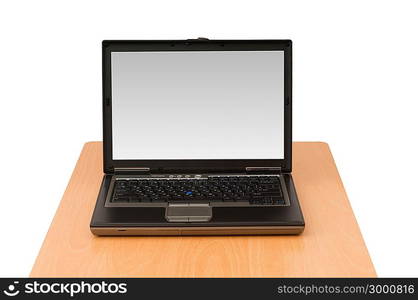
(197, 105)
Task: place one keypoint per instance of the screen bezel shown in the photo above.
(195, 165)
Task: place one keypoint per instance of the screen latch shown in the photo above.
(140, 170)
(262, 169)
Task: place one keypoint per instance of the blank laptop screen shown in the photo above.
(198, 105)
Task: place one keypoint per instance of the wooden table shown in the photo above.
(331, 245)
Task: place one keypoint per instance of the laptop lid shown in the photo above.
(196, 106)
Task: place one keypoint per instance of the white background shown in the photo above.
(355, 87)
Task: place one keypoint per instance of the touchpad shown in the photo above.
(188, 212)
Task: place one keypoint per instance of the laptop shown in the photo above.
(197, 139)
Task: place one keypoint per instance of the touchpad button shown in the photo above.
(188, 212)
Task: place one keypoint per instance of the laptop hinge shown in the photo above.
(141, 170)
(263, 169)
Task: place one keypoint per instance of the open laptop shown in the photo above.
(197, 139)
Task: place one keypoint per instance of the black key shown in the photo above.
(244, 198)
(157, 199)
(134, 199)
(228, 199)
(215, 199)
(278, 200)
(121, 199)
(272, 193)
(267, 200)
(160, 200)
(176, 199)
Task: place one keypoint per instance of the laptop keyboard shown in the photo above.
(222, 190)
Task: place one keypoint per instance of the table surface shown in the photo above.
(331, 245)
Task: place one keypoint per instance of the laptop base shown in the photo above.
(146, 221)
